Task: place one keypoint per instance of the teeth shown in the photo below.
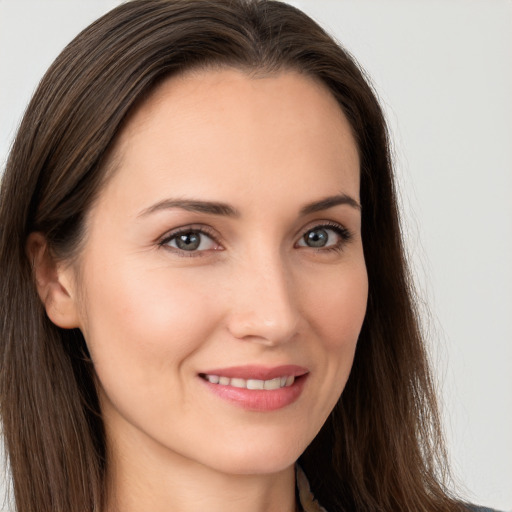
(277, 383)
(272, 384)
(238, 383)
(255, 384)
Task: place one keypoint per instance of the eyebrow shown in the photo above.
(216, 208)
(330, 202)
(191, 205)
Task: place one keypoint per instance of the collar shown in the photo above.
(307, 502)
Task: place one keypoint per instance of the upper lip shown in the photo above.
(258, 372)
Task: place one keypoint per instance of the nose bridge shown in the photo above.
(264, 307)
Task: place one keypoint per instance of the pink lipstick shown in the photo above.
(257, 388)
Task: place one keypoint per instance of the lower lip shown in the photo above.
(256, 399)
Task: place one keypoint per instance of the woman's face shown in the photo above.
(225, 254)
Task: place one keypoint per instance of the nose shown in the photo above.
(263, 307)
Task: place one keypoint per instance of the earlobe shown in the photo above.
(54, 283)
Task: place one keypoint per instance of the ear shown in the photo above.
(54, 281)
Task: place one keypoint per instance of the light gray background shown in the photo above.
(443, 71)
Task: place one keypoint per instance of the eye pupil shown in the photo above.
(188, 241)
(316, 238)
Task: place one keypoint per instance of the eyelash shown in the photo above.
(344, 234)
(203, 230)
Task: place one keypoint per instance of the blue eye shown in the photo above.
(328, 237)
(190, 241)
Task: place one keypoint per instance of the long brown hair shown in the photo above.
(381, 448)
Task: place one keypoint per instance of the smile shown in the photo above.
(253, 384)
(257, 388)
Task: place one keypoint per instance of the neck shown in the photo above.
(162, 482)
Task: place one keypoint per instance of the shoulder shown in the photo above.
(476, 508)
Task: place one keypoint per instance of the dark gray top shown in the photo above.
(475, 508)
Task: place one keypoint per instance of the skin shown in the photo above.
(155, 316)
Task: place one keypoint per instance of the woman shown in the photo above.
(203, 279)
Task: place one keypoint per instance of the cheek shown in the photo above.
(140, 319)
(143, 330)
(337, 306)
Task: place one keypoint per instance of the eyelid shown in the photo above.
(202, 229)
(328, 224)
(344, 233)
(205, 230)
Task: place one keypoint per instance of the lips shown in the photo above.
(257, 388)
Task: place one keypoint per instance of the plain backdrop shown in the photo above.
(443, 72)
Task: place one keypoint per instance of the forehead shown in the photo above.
(218, 90)
(231, 128)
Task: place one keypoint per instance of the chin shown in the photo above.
(257, 458)
(256, 465)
